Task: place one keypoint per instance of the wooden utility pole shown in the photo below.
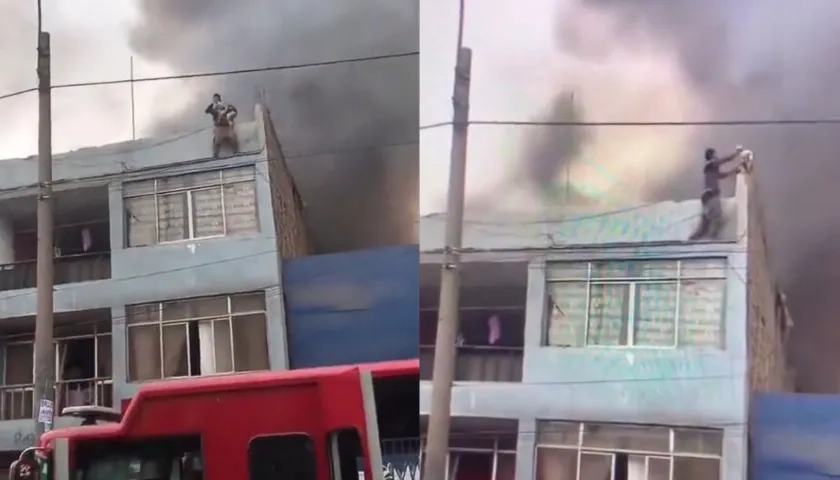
(443, 373)
(44, 397)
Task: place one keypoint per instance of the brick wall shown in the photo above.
(292, 236)
(768, 317)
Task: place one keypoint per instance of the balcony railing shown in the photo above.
(478, 363)
(76, 393)
(16, 401)
(68, 269)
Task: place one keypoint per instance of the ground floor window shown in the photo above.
(586, 451)
(197, 336)
(481, 457)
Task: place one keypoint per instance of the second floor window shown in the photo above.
(636, 303)
(194, 206)
(197, 336)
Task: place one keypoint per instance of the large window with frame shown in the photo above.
(649, 303)
(584, 451)
(197, 336)
(197, 205)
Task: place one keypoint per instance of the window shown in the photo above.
(282, 456)
(83, 366)
(82, 362)
(636, 303)
(481, 455)
(193, 206)
(199, 336)
(577, 451)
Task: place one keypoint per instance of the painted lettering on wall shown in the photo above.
(23, 440)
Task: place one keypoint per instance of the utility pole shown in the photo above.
(44, 396)
(443, 374)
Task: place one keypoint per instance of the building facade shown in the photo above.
(167, 265)
(603, 345)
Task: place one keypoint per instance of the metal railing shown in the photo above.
(91, 391)
(400, 459)
(16, 401)
(68, 269)
(478, 363)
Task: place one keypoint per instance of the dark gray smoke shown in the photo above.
(356, 198)
(768, 59)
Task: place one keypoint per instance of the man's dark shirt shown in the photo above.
(711, 175)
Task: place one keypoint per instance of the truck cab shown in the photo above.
(311, 424)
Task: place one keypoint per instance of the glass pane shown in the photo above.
(208, 307)
(687, 468)
(612, 269)
(567, 314)
(506, 467)
(240, 208)
(172, 217)
(703, 268)
(656, 315)
(138, 188)
(567, 271)
(143, 352)
(175, 355)
(595, 465)
(142, 313)
(207, 213)
(627, 437)
(239, 174)
(557, 464)
(608, 314)
(708, 442)
(249, 302)
(558, 433)
(176, 310)
(104, 360)
(636, 467)
(701, 313)
(658, 468)
(656, 269)
(222, 345)
(19, 364)
(250, 346)
(140, 222)
(191, 180)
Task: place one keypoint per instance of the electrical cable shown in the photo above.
(217, 73)
(696, 123)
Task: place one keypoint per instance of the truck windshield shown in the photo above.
(160, 459)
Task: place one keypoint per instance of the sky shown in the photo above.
(85, 47)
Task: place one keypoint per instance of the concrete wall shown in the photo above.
(160, 272)
(767, 326)
(692, 387)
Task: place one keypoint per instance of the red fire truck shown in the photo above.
(310, 424)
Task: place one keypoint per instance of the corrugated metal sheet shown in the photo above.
(795, 437)
(352, 307)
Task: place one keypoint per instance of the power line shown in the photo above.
(698, 123)
(18, 93)
(218, 73)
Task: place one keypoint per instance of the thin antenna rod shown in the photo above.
(131, 82)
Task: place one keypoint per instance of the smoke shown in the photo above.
(712, 60)
(355, 198)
